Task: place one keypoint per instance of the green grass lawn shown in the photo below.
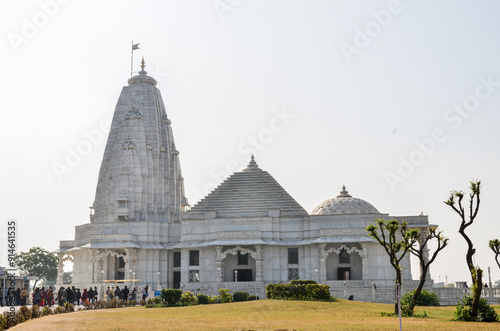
(256, 315)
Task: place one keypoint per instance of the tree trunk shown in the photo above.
(413, 302)
(477, 292)
(398, 281)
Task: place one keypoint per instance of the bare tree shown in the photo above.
(424, 237)
(495, 247)
(455, 202)
(396, 238)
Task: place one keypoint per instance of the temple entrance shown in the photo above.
(244, 275)
(177, 279)
(344, 263)
(120, 267)
(241, 260)
(344, 273)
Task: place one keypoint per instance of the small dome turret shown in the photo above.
(344, 203)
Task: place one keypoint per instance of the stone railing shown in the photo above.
(447, 296)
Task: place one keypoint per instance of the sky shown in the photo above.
(397, 100)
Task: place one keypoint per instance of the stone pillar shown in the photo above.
(364, 262)
(218, 262)
(101, 278)
(425, 232)
(322, 263)
(133, 253)
(490, 286)
(126, 259)
(60, 270)
(258, 263)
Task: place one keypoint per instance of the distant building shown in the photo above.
(246, 233)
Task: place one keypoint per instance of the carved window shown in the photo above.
(293, 256)
(194, 276)
(177, 259)
(242, 258)
(121, 262)
(344, 257)
(194, 257)
(293, 274)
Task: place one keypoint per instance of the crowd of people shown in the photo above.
(49, 297)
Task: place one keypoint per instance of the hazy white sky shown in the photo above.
(398, 100)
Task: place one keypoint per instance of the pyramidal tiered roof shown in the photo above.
(249, 192)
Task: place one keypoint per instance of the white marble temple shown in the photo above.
(246, 233)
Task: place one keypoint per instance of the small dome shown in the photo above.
(344, 203)
(142, 77)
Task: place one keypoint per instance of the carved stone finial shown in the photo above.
(143, 65)
(252, 165)
(344, 193)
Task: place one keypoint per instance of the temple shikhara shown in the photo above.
(246, 233)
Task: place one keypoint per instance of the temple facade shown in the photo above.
(246, 233)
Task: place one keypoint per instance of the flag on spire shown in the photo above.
(135, 46)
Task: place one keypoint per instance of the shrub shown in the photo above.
(143, 302)
(485, 313)
(224, 295)
(188, 299)
(25, 312)
(20, 318)
(203, 299)
(156, 300)
(3, 322)
(9, 319)
(100, 304)
(425, 298)
(318, 292)
(213, 299)
(171, 296)
(252, 297)
(68, 307)
(59, 310)
(113, 303)
(133, 303)
(35, 311)
(240, 296)
(302, 281)
(298, 292)
(46, 311)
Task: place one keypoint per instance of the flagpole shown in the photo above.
(134, 47)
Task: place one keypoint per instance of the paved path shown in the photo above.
(7, 308)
